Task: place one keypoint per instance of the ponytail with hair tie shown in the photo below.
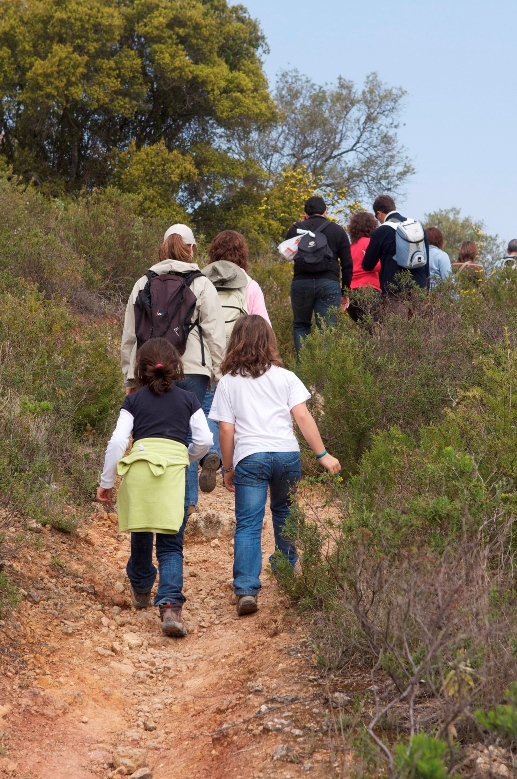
(158, 365)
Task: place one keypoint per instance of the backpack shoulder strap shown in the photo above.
(323, 226)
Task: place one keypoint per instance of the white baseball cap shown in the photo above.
(185, 232)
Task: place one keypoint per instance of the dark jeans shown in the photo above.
(281, 471)
(309, 296)
(169, 551)
(197, 384)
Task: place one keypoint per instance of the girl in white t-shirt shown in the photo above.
(253, 404)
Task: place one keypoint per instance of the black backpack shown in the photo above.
(314, 255)
(164, 309)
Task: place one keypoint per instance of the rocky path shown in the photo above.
(90, 686)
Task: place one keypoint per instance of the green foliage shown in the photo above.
(9, 595)
(502, 719)
(422, 758)
(60, 388)
(457, 229)
(85, 250)
(83, 78)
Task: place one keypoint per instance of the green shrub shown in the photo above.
(423, 757)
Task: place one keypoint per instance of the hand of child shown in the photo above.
(228, 481)
(104, 495)
(330, 463)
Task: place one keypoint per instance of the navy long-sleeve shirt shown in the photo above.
(382, 246)
(339, 245)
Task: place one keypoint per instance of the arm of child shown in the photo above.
(114, 451)
(202, 438)
(310, 432)
(226, 441)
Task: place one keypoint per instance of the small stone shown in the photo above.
(129, 758)
(142, 773)
(84, 720)
(118, 587)
(103, 652)
(33, 595)
(149, 725)
(88, 588)
(307, 767)
(282, 752)
(339, 699)
(215, 544)
(255, 687)
(133, 640)
(116, 648)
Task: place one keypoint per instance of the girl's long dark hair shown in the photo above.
(158, 365)
(252, 348)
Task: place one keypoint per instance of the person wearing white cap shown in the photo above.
(205, 344)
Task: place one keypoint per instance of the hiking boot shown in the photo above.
(208, 475)
(140, 600)
(191, 510)
(246, 604)
(172, 623)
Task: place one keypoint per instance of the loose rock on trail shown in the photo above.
(90, 687)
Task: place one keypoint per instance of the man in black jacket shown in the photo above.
(317, 292)
(383, 245)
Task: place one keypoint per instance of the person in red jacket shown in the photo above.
(360, 227)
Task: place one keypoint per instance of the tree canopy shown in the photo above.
(457, 229)
(82, 78)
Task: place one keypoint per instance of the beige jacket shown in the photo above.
(211, 320)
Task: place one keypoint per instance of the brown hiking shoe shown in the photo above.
(140, 600)
(246, 604)
(208, 475)
(172, 623)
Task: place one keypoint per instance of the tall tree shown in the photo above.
(82, 78)
(344, 136)
(457, 228)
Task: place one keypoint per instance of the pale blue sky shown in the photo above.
(457, 61)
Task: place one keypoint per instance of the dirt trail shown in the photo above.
(85, 674)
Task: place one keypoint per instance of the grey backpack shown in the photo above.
(230, 282)
(410, 250)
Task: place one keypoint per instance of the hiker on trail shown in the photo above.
(239, 295)
(395, 252)
(510, 259)
(466, 269)
(360, 227)
(316, 287)
(201, 334)
(160, 416)
(439, 261)
(253, 404)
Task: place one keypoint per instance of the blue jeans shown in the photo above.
(212, 424)
(169, 551)
(198, 385)
(313, 295)
(281, 471)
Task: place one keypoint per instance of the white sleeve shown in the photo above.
(222, 410)
(116, 448)
(202, 438)
(298, 392)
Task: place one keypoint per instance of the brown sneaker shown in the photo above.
(208, 475)
(191, 510)
(172, 623)
(246, 604)
(140, 600)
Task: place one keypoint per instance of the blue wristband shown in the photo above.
(319, 456)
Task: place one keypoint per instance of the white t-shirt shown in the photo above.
(260, 409)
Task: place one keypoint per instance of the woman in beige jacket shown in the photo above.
(205, 344)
